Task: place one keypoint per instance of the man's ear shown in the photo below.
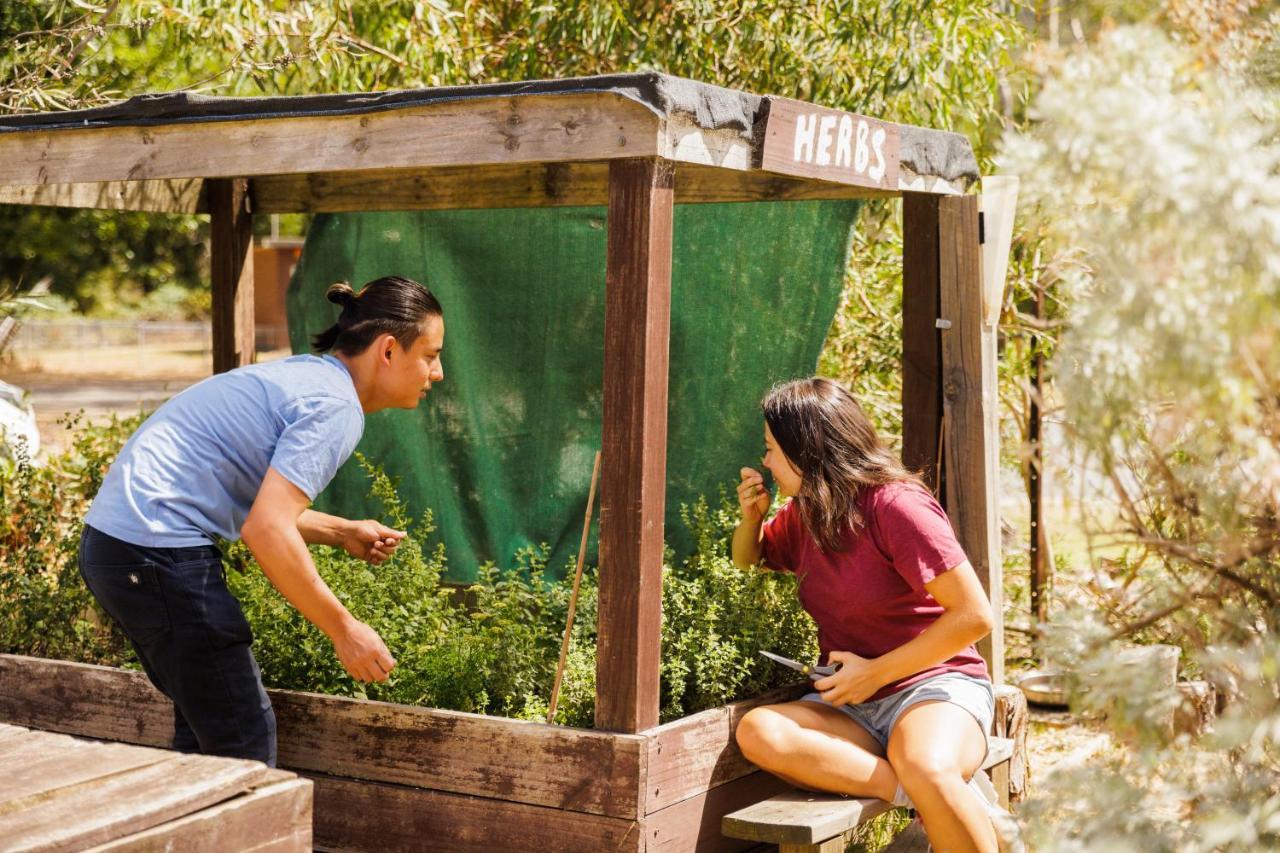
(386, 344)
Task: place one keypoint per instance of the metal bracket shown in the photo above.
(941, 323)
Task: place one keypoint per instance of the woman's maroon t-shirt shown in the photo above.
(870, 599)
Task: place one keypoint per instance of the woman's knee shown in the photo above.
(922, 772)
(762, 733)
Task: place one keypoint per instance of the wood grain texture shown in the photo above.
(177, 196)
(40, 762)
(694, 824)
(969, 403)
(686, 757)
(574, 769)
(521, 129)
(231, 273)
(362, 815)
(1011, 779)
(118, 804)
(809, 141)
(921, 341)
(634, 443)
(272, 818)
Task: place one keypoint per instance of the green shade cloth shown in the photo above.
(502, 450)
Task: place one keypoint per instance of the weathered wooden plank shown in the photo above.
(231, 271)
(518, 185)
(555, 766)
(694, 824)
(41, 762)
(921, 344)
(969, 394)
(361, 815)
(178, 196)
(515, 760)
(687, 757)
(803, 817)
(81, 816)
(634, 439)
(521, 129)
(832, 145)
(272, 818)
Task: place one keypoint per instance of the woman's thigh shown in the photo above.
(822, 719)
(937, 736)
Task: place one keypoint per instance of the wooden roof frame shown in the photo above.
(578, 143)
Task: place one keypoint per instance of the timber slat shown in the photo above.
(694, 824)
(180, 196)
(802, 817)
(40, 763)
(353, 815)
(580, 770)
(272, 818)
(688, 756)
(524, 129)
(82, 815)
(921, 342)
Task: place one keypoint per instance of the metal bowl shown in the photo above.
(1047, 689)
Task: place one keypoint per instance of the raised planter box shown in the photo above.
(396, 777)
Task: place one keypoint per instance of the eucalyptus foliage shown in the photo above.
(1163, 169)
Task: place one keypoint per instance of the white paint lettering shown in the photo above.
(805, 126)
(844, 139)
(861, 156)
(826, 125)
(877, 146)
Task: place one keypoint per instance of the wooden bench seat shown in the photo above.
(804, 821)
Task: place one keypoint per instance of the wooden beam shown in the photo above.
(694, 824)
(634, 438)
(556, 766)
(921, 343)
(809, 141)
(176, 196)
(969, 398)
(518, 185)
(352, 814)
(519, 129)
(689, 756)
(231, 270)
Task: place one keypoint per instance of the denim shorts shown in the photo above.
(879, 716)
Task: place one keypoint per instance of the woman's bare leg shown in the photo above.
(935, 747)
(816, 747)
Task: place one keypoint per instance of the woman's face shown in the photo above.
(412, 370)
(784, 473)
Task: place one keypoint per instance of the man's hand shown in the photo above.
(753, 497)
(371, 541)
(362, 652)
(856, 681)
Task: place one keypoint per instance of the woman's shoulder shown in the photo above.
(899, 496)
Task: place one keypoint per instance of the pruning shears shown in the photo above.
(813, 670)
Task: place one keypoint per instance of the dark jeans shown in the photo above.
(192, 639)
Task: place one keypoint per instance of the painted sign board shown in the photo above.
(830, 145)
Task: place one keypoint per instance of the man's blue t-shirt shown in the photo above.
(192, 470)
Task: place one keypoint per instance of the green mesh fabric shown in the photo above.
(501, 451)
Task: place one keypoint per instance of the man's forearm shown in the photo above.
(287, 563)
(318, 528)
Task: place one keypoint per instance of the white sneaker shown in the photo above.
(1008, 834)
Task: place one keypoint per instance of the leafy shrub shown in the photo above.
(491, 648)
(47, 610)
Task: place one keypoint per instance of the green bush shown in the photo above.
(491, 648)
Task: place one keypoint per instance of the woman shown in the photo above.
(242, 455)
(898, 608)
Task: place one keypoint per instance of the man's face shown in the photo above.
(413, 370)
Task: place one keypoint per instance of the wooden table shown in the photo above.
(63, 793)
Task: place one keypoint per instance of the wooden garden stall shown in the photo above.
(391, 776)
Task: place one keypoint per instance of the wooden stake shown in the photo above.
(573, 598)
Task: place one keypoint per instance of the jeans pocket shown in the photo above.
(211, 603)
(132, 596)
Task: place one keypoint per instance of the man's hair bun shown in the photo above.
(340, 293)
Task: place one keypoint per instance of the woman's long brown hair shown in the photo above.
(831, 442)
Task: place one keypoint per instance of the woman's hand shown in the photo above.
(371, 541)
(753, 497)
(856, 681)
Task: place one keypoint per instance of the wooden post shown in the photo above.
(633, 469)
(970, 398)
(1035, 479)
(231, 271)
(921, 343)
